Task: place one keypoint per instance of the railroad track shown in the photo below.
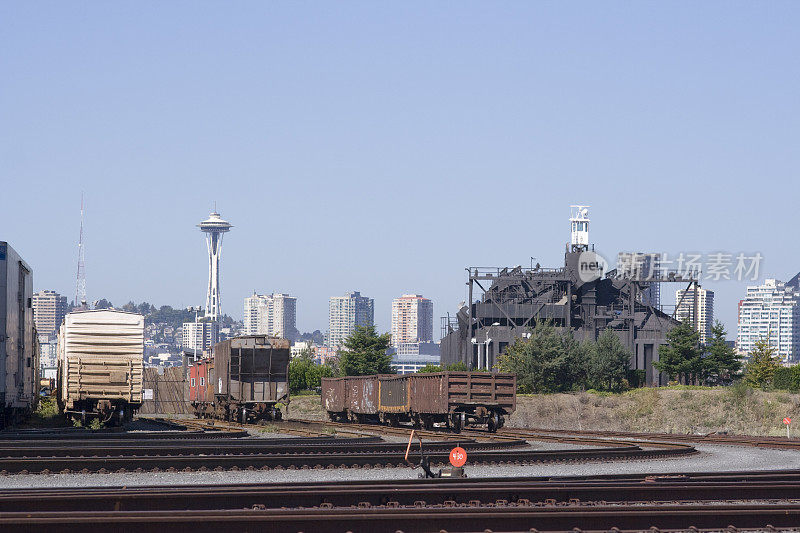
(659, 503)
(367, 450)
(516, 436)
(343, 456)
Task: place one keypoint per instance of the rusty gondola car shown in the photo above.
(243, 381)
(456, 399)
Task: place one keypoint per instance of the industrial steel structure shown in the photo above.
(583, 297)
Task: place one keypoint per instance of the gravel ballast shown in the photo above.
(711, 458)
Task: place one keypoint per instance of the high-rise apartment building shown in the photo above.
(412, 319)
(49, 309)
(696, 306)
(770, 312)
(200, 335)
(271, 314)
(347, 312)
(48, 351)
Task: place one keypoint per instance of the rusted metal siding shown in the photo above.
(393, 394)
(253, 368)
(333, 394)
(362, 394)
(428, 393)
(101, 356)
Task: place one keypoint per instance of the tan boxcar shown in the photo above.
(100, 364)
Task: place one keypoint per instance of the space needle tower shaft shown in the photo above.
(214, 228)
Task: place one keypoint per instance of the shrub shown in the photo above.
(787, 378)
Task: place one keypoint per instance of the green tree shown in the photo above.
(787, 378)
(314, 375)
(546, 361)
(609, 361)
(103, 304)
(762, 365)
(365, 353)
(459, 366)
(682, 357)
(297, 375)
(720, 363)
(429, 368)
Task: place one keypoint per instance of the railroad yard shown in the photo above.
(304, 475)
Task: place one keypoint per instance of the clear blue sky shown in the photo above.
(383, 147)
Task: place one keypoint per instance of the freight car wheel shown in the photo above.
(455, 422)
(494, 423)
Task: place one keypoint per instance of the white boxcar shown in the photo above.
(100, 364)
(19, 354)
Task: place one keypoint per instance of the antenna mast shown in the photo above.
(80, 286)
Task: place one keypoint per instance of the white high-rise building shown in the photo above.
(48, 351)
(770, 312)
(347, 312)
(271, 314)
(200, 335)
(412, 319)
(699, 310)
(49, 309)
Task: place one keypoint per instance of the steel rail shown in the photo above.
(242, 446)
(438, 456)
(423, 518)
(496, 493)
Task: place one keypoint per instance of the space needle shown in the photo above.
(214, 228)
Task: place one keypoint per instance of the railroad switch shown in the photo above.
(425, 464)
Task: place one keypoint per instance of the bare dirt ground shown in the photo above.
(736, 410)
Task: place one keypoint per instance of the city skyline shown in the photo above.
(406, 139)
(731, 328)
